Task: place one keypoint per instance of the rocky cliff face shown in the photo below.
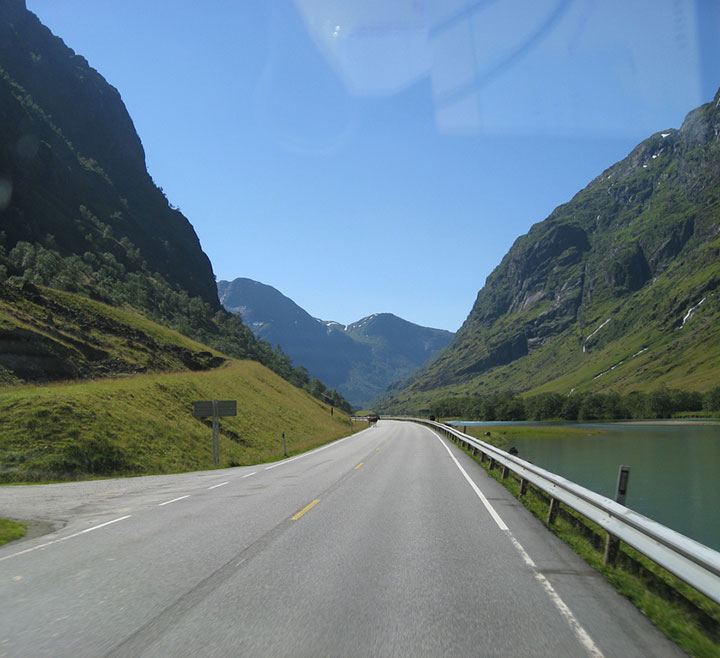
(72, 168)
(626, 258)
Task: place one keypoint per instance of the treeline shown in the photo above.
(661, 403)
(103, 277)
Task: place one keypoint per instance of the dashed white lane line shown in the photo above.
(174, 500)
(580, 633)
(167, 502)
(57, 541)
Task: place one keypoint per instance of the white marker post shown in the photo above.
(215, 408)
(612, 544)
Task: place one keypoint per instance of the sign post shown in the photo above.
(215, 408)
(612, 544)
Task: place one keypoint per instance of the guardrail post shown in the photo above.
(552, 512)
(492, 463)
(612, 546)
(505, 472)
(523, 487)
(612, 543)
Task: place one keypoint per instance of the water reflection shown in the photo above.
(673, 477)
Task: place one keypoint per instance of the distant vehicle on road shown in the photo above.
(372, 419)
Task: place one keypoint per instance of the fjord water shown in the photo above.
(674, 470)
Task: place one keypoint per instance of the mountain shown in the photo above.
(359, 360)
(616, 290)
(80, 213)
(72, 168)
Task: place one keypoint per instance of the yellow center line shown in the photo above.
(305, 509)
(359, 465)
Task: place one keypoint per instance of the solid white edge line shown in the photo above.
(476, 489)
(167, 502)
(222, 484)
(56, 541)
(312, 452)
(580, 633)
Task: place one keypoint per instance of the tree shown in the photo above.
(544, 406)
(571, 406)
(660, 403)
(637, 404)
(711, 400)
(591, 407)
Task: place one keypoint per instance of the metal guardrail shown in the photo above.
(689, 560)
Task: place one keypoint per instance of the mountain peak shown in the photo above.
(359, 360)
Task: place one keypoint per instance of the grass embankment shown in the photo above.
(685, 615)
(10, 530)
(144, 424)
(504, 435)
(63, 336)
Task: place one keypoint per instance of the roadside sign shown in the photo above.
(227, 407)
(202, 409)
(224, 408)
(215, 408)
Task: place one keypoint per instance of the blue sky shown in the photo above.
(367, 156)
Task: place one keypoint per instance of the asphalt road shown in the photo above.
(391, 542)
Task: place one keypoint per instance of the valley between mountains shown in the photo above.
(103, 280)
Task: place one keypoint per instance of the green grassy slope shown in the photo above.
(123, 404)
(144, 424)
(50, 335)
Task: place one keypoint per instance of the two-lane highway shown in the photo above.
(389, 542)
